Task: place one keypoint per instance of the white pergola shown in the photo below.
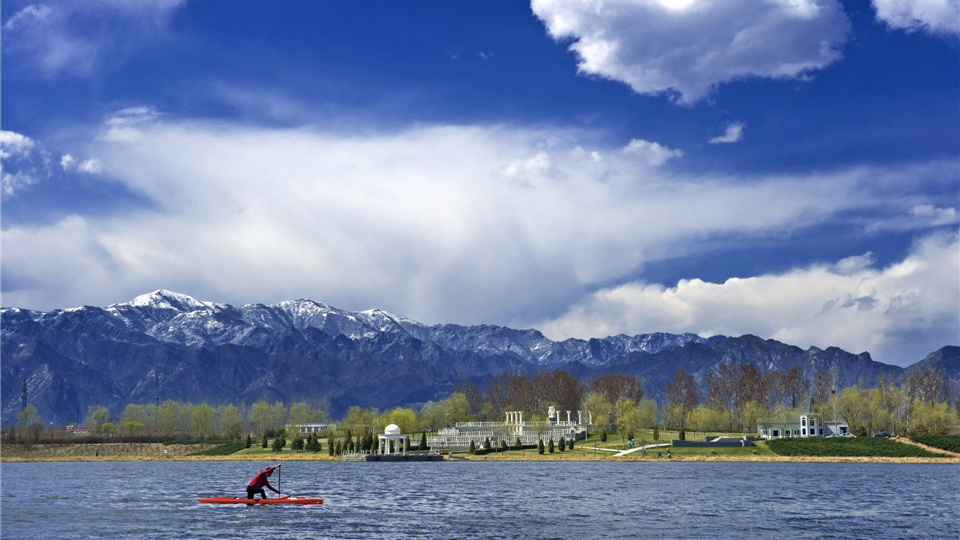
(392, 433)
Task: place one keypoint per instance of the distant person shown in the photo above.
(260, 481)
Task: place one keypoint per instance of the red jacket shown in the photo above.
(260, 480)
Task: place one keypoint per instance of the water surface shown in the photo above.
(485, 500)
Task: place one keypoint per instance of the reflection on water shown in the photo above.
(489, 500)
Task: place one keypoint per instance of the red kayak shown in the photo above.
(303, 501)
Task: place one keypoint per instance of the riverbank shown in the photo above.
(182, 452)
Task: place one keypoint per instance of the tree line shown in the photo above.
(733, 398)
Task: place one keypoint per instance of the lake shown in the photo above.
(484, 500)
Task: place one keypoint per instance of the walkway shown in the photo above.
(619, 453)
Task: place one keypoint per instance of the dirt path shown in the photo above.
(933, 449)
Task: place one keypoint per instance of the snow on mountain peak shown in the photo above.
(164, 299)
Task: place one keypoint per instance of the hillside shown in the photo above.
(166, 345)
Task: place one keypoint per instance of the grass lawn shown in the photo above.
(847, 447)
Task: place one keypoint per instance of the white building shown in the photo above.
(800, 424)
(392, 441)
(513, 428)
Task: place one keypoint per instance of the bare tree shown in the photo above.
(682, 391)
(929, 385)
(615, 386)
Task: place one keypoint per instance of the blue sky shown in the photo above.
(787, 168)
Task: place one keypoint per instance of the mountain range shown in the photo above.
(167, 345)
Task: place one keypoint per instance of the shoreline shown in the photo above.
(107, 452)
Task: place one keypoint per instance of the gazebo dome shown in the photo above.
(392, 429)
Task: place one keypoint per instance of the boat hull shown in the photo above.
(301, 501)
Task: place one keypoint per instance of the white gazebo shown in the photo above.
(391, 434)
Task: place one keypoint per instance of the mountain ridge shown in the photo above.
(167, 345)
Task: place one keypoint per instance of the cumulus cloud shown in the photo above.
(69, 163)
(935, 16)
(62, 37)
(16, 150)
(935, 215)
(439, 223)
(15, 145)
(686, 48)
(734, 133)
(894, 312)
(653, 153)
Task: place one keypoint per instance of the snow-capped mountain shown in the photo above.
(177, 318)
(167, 345)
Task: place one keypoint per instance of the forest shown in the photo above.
(731, 400)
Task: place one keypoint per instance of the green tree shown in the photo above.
(248, 442)
(201, 421)
(263, 441)
(656, 433)
(278, 444)
(30, 424)
(473, 447)
(264, 417)
(628, 416)
(131, 428)
(359, 417)
(227, 421)
(540, 446)
(550, 446)
(302, 413)
(135, 413)
(297, 444)
(597, 406)
(406, 419)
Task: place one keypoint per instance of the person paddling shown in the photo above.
(260, 481)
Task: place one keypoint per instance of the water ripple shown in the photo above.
(489, 500)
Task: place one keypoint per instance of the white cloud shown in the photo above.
(63, 37)
(439, 223)
(734, 133)
(92, 166)
(14, 145)
(67, 162)
(653, 153)
(897, 313)
(17, 149)
(935, 215)
(690, 46)
(936, 16)
(125, 125)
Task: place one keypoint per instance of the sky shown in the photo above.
(783, 168)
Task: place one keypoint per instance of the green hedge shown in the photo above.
(222, 450)
(950, 443)
(846, 447)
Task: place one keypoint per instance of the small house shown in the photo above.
(804, 423)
